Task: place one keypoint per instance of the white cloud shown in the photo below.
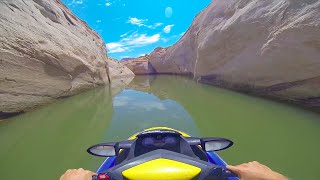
(158, 24)
(115, 47)
(164, 40)
(98, 21)
(181, 34)
(125, 34)
(108, 4)
(132, 41)
(136, 21)
(142, 39)
(167, 28)
(155, 25)
(76, 2)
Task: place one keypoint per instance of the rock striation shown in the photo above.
(269, 48)
(139, 66)
(46, 53)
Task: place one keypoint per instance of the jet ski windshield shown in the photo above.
(160, 140)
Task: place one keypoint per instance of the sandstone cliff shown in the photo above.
(139, 66)
(263, 47)
(46, 53)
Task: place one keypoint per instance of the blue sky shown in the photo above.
(132, 28)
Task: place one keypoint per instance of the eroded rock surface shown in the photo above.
(46, 53)
(139, 66)
(118, 70)
(264, 47)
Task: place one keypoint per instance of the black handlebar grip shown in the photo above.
(94, 177)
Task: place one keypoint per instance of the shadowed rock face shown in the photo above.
(46, 53)
(269, 48)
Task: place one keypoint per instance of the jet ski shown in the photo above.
(162, 153)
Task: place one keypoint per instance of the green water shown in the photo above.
(44, 143)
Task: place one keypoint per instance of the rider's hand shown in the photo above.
(77, 174)
(255, 171)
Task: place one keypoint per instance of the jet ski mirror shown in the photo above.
(104, 150)
(215, 144)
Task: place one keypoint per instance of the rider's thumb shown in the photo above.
(234, 169)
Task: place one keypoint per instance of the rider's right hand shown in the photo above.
(255, 171)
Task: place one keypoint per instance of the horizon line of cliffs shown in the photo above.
(47, 53)
(269, 48)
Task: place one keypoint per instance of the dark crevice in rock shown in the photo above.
(6, 115)
(11, 80)
(15, 6)
(27, 94)
(68, 18)
(46, 10)
(268, 92)
(217, 80)
(10, 8)
(313, 102)
(151, 69)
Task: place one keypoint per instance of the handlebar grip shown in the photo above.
(94, 177)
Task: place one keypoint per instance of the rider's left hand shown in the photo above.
(77, 174)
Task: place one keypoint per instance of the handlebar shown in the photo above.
(227, 173)
(219, 172)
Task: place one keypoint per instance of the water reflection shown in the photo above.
(44, 143)
(134, 111)
(262, 130)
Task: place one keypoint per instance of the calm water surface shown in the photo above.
(44, 143)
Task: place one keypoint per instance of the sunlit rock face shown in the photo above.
(264, 47)
(118, 70)
(46, 53)
(139, 66)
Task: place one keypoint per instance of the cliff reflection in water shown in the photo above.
(45, 143)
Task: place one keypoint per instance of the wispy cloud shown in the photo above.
(155, 25)
(108, 4)
(167, 28)
(136, 21)
(132, 41)
(98, 21)
(164, 40)
(73, 2)
(125, 34)
(142, 22)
